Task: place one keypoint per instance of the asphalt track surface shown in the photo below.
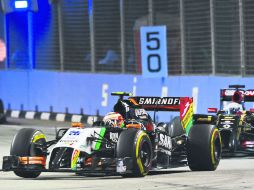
(232, 173)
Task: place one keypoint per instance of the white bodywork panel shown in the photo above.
(76, 138)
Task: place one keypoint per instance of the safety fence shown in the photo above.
(213, 37)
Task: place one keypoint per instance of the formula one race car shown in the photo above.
(235, 123)
(126, 142)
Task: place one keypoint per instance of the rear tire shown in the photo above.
(137, 145)
(203, 148)
(23, 145)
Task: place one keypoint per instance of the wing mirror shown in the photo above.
(60, 133)
(212, 110)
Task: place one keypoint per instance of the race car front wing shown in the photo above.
(97, 166)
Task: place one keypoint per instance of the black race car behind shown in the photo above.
(236, 126)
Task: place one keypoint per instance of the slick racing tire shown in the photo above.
(135, 144)
(23, 145)
(2, 115)
(232, 144)
(175, 128)
(2, 118)
(203, 148)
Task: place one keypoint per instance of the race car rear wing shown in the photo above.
(249, 95)
(157, 103)
(184, 105)
(226, 94)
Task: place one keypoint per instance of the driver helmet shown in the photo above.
(237, 97)
(114, 119)
(236, 105)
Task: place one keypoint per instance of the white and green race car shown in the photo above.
(126, 142)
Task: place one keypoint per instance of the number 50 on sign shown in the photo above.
(154, 51)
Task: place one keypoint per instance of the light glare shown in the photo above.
(21, 4)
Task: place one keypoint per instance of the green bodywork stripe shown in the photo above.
(189, 125)
(98, 143)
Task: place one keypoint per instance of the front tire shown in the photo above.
(137, 145)
(203, 148)
(232, 144)
(23, 145)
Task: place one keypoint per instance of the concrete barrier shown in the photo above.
(89, 94)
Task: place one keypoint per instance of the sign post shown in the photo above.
(154, 51)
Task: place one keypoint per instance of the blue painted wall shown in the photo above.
(91, 92)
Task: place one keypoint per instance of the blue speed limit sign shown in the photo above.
(154, 51)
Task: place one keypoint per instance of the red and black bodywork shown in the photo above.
(236, 129)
